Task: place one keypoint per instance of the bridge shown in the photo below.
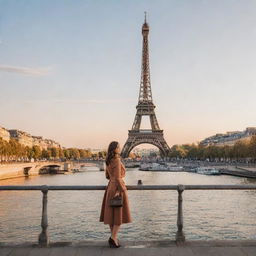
(179, 246)
(14, 170)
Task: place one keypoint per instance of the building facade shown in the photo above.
(27, 139)
(4, 134)
(229, 138)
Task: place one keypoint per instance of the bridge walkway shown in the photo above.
(134, 248)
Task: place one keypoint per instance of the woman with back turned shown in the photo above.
(115, 216)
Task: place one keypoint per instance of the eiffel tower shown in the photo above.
(145, 107)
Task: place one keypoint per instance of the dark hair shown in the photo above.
(111, 151)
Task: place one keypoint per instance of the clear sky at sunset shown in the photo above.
(70, 70)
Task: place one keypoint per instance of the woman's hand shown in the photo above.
(117, 193)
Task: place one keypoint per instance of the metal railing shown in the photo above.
(43, 238)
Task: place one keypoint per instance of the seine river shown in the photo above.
(74, 215)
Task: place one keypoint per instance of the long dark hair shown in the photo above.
(111, 151)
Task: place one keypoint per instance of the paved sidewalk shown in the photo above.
(148, 248)
(252, 169)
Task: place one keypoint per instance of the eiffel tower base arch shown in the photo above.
(136, 138)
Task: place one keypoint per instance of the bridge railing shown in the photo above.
(43, 238)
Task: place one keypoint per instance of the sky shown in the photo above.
(70, 70)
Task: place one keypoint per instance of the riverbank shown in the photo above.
(17, 170)
(156, 247)
(10, 171)
(240, 171)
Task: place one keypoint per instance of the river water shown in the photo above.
(74, 215)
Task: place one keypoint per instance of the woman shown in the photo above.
(115, 216)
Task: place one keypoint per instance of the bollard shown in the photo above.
(139, 182)
(43, 239)
(180, 236)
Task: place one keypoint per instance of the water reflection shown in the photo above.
(74, 215)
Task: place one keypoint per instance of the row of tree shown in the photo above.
(14, 151)
(242, 150)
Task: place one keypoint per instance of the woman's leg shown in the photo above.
(111, 227)
(114, 232)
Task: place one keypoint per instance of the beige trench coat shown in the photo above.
(115, 215)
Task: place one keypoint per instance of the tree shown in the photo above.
(54, 152)
(45, 154)
(36, 152)
(252, 147)
(240, 150)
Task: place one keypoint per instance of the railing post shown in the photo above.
(180, 236)
(43, 237)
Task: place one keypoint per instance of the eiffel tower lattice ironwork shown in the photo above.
(145, 107)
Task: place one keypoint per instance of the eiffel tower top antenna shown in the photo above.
(145, 94)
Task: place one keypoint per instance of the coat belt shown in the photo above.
(113, 180)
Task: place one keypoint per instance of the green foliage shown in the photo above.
(240, 150)
(14, 151)
(36, 152)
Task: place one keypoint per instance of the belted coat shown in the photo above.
(115, 171)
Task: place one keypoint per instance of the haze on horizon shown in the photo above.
(70, 71)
